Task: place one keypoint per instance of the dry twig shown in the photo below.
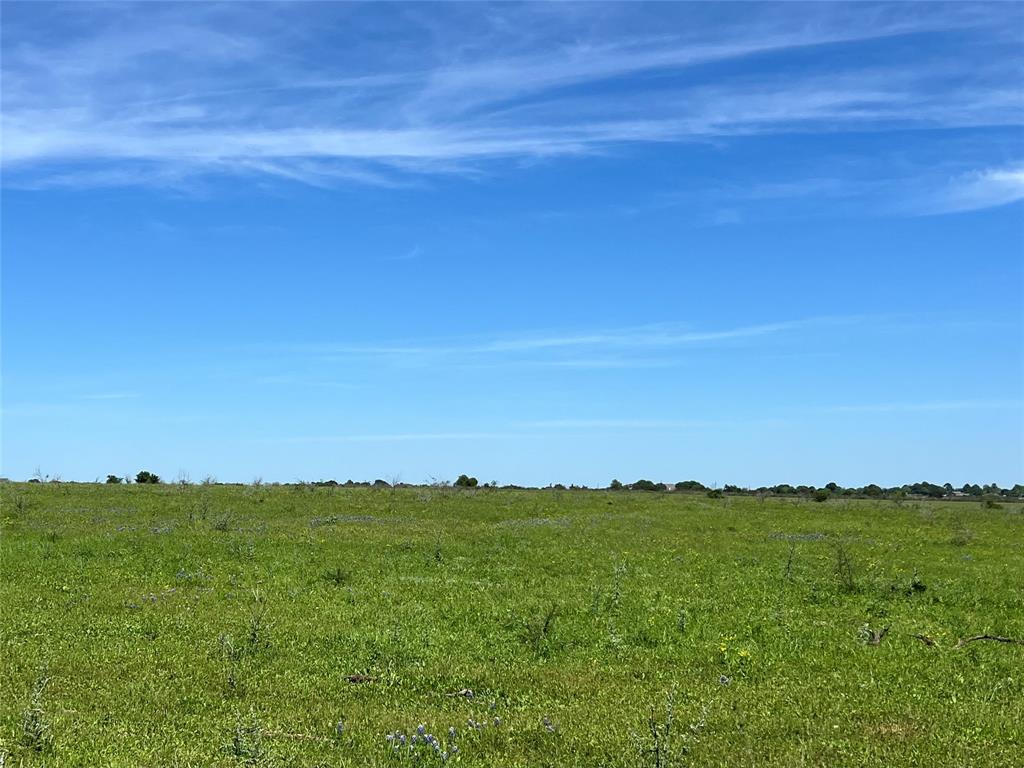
(993, 638)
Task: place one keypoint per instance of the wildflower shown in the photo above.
(451, 732)
(455, 749)
(497, 721)
(421, 729)
(340, 728)
(724, 680)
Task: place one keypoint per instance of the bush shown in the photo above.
(821, 495)
(714, 493)
(113, 479)
(146, 477)
(465, 481)
(615, 486)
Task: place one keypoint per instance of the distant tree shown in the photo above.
(872, 490)
(733, 489)
(931, 490)
(147, 477)
(615, 486)
(784, 489)
(833, 487)
(690, 485)
(465, 481)
(381, 484)
(113, 479)
(821, 495)
(647, 485)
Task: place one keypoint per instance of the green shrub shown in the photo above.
(147, 477)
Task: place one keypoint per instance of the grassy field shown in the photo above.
(200, 626)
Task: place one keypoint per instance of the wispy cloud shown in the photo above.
(141, 94)
(644, 424)
(112, 396)
(405, 437)
(925, 407)
(617, 347)
(976, 190)
(648, 336)
(411, 255)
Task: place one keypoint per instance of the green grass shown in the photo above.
(200, 626)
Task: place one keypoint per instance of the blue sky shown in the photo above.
(537, 243)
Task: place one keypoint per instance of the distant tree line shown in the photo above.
(829, 490)
(920, 490)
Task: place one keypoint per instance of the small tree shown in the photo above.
(147, 477)
(821, 495)
(113, 479)
(465, 481)
(615, 486)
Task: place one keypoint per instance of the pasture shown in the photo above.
(300, 626)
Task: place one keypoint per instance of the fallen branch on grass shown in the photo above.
(993, 638)
(360, 678)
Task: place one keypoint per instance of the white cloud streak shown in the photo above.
(620, 348)
(139, 95)
(929, 407)
(974, 191)
(406, 437)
